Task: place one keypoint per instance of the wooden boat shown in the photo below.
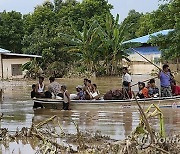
(108, 104)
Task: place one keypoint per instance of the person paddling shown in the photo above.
(165, 81)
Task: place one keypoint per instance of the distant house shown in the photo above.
(138, 64)
(11, 63)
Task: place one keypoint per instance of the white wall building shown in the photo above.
(11, 63)
(140, 65)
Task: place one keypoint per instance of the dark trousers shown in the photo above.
(37, 105)
(65, 106)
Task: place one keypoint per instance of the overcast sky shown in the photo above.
(121, 7)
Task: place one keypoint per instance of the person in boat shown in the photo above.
(40, 88)
(95, 93)
(54, 88)
(148, 85)
(80, 93)
(87, 90)
(175, 88)
(85, 81)
(66, 98)
(126, 82)
(143, 91)
(33, 92)
(153, 90)
(165, 81)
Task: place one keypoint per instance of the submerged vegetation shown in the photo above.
(84, 36)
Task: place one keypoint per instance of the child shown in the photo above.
(153, 90)
(33, 92)
(66, 97)
(143, 91)
(80, 93)
(95, 92)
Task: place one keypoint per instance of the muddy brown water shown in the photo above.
(118, 124)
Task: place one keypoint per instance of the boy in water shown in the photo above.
(66, 97)
(33, 92)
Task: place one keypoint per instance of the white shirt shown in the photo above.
(41, 89)
(127, 77)
(65, 97)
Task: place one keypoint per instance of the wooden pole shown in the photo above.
(150, 62)
(146, 59)
(144, 81)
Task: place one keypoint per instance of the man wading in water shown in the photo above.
(126, 81)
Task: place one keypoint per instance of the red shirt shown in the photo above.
(145, 92)
(176, 90)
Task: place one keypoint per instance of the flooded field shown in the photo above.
(118, 124)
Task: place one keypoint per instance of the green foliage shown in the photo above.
(32, 68)
(132, 21)
(11, 31)
(112, 37)
(98, 46)
(161, 19)
(169, 45)
(92, 36)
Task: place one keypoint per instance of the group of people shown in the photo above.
(54, 89)
(86, 92)
(168, 85)
(89, 90)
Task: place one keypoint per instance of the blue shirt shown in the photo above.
(165, 79)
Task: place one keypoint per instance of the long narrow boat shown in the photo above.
(109, 104)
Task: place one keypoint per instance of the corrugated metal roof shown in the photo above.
(146, 50)
(7, 52)
(144, 39)
(4, 51)
(21, 55)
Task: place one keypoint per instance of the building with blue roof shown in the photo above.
(145, 39)
(138, 64)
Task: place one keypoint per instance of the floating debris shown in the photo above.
(53, 139)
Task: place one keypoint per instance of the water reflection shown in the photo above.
(116, 122)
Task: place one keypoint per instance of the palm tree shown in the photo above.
(112, 37)
(84, 43)
(96, 45)
(33, 68)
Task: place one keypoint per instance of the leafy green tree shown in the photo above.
(32, 68)
(160, 19)
(83, 43)
(170, 44)
(132, 21)
(11, 31)
(112, 38)
(43, 26)
(87, 10)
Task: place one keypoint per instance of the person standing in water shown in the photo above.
(66, 97)
(126, 83)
